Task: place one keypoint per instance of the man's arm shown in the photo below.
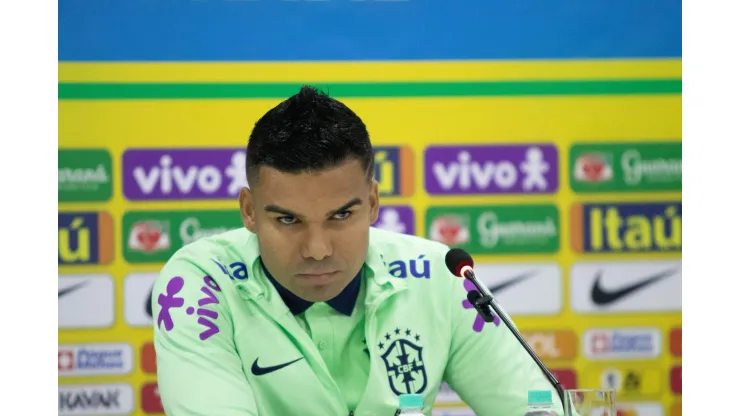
(489, 369)
(198, 369)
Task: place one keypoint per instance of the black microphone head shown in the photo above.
(456, 258)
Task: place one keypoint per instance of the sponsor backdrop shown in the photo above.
(544, 144)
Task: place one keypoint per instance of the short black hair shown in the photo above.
(308, 132)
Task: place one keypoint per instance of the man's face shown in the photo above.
(312, 228)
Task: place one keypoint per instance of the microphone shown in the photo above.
(460, 263)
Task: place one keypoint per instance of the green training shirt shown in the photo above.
(228, 345)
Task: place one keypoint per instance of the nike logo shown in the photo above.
(511, 282)
(261, 371)
(604, 297)
(148, 303)
(70, 289)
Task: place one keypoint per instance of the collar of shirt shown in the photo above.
(343, 303)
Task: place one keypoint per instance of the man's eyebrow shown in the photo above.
(348, 205)
(279, 210)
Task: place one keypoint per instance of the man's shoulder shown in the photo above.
(409, 256)
(394, 242)
(229, 253)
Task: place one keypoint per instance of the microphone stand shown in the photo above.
(486, 306)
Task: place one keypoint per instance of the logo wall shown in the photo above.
(506, 204)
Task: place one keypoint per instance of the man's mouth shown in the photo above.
(317, 274)
(318, 278)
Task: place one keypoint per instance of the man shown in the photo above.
(310, 311)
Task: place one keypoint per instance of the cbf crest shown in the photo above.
(404, 363)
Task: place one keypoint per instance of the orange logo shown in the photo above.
(675, 342)
(394, 170)
(148, 358)
(676, 410)
(551, 345)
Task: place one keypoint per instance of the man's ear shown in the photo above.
(246, 207)
(374, 201)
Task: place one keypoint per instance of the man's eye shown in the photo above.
(342, 215)
(287, 220)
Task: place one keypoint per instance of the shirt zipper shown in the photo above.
(370, 313)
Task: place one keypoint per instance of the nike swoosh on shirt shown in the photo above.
(511, 282)
(260, 371)
(605, 297)
(70, 289)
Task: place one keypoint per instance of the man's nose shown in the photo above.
(317, 244)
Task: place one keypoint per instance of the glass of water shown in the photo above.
(590, 402)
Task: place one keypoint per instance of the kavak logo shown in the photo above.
(154, 236)
(626, 167)
(491, 169)
(525, 289)
(399, 219)
(622, 343)
(85, 175)
(626, 227)
(490, 229)
(95, 359)
(183, 174)
(86, 301)
(394, 170)
(641, 286)
(97, 399)
(676, 342)
(630, 382)
(85, 238)
(552, 345)
(137, 297)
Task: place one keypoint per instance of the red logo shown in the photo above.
(593, 167)
(676, 342)
(148, 358)
(676, 379)
(600, 343)
(149, 236)
(150, 401)
(566, 377)
(66, 360)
